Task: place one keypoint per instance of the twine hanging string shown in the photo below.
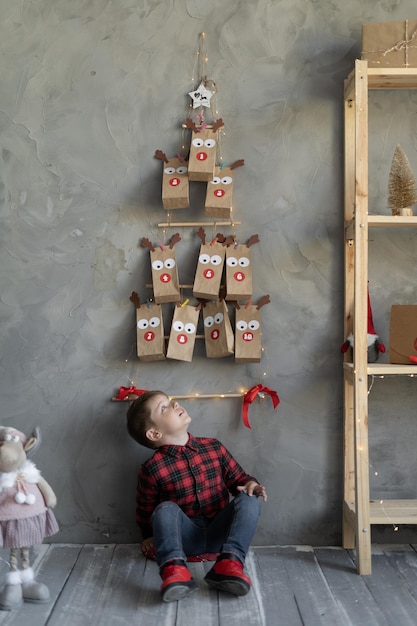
(402, 44)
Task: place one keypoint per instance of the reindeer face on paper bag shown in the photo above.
(175, 186)
(218, 333)
(219, 195)
(239, 270)
(209, 268)
(248, 335)
(183, 332)
(203, 150)
(149, 330)
(164, 271)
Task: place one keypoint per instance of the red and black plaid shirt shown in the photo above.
(197, 476)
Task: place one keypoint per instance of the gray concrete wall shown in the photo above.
(89, 90)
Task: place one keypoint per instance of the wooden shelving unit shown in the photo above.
(359, 512)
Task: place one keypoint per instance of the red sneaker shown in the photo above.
(177, 581)
(227, 575)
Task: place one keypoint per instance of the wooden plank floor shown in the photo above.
(114, 585)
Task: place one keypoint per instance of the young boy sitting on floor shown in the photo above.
(183, 503)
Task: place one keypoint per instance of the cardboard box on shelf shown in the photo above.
(403, 333)
(390, 44)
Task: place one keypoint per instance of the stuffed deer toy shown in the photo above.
(26, 500)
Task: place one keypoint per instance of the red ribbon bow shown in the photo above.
(125, 392)
(250, 396)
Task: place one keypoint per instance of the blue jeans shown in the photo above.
(177, 536)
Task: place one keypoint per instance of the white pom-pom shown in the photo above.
(30, 498)
(20, 497)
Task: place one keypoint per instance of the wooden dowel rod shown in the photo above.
(200, 396)
(215, 224)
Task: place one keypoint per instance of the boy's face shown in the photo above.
(169, 417)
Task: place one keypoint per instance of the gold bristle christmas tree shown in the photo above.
(402, 189)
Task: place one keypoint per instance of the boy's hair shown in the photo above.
(139, 418)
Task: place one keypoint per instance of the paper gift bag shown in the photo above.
(175, 185)
(219, 194)
(248, 332)
(183, 333)
(239, 270)
(209, 270)
(164, 270)
(390, 44)
(149, 330)
(203, 150)
(403, 333)
(218, 332)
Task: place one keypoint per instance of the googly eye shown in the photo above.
(169, 263)
(154, 322)
(208, 321)
(178, 326)
(183, 169)
(227, 180)
(204, 259)
(241, 325)
(253, 325)
(216, 259)
(198, 142)
(210, 143)
(142, 324)
(231, 261)
(215, 181)
(157, 265)
(169, 170)
(244, 261)
(218, 318)
(189, 328)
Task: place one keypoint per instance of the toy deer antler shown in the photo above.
(238, 163)
(145, 243)
(252, 240)
(228, 241)
(190, 124)
(135, 299)
(174, 239)
(264, 300)
(217, 124)
(202, 235)
(161, 156)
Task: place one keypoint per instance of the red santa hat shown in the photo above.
(372, 335)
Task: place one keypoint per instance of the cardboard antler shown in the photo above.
(229, 240)
(145, 243)
(202, 235)
(161, 156)
(264, 300)
(190, 124)
(252, 240)
(135, 299)
(236, 164)
(217, 124)
(174, 239)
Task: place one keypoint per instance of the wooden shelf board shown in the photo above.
(388, 511)
(386, 369)
(392, 78)
(392, 221)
